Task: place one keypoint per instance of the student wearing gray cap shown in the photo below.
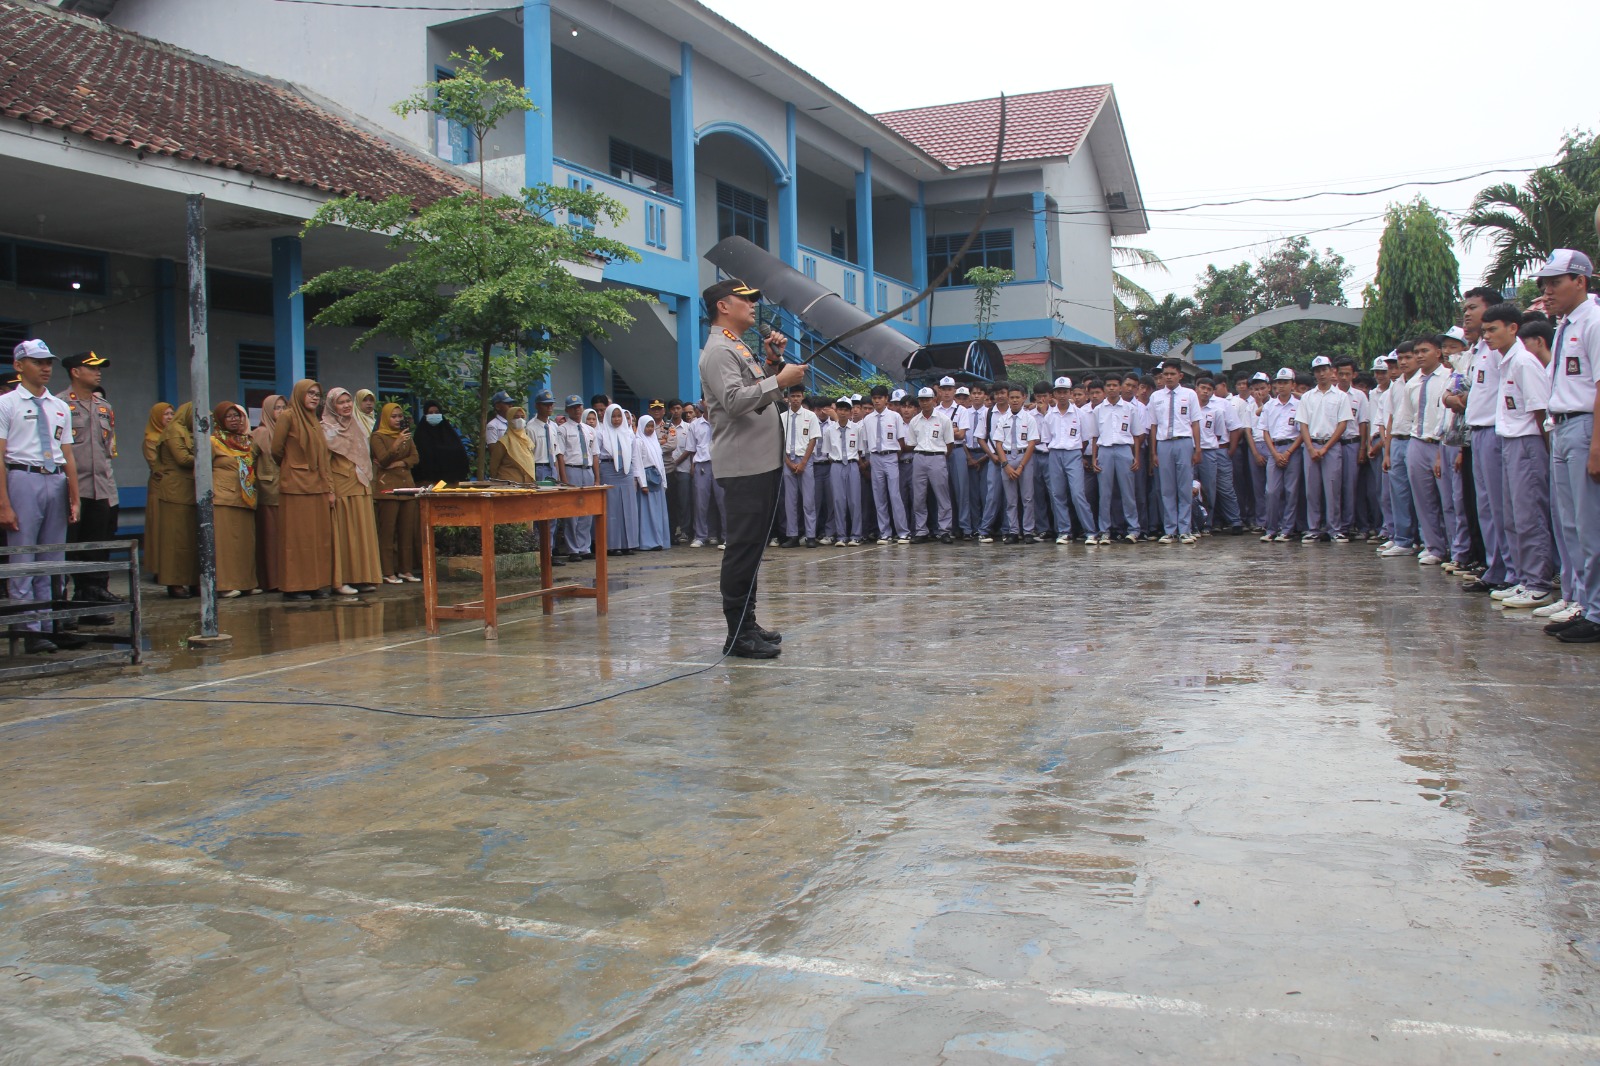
(501, 402)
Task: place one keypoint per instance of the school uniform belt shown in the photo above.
(1399, 436)
(1320, 440)
(1286, 440)
(1431, 440)
(33, 468)
(1557, 417)
(923, 451)
(822, 462)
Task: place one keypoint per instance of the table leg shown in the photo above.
(546, 576)
(600, 535)
(491, 629)
(430, 572)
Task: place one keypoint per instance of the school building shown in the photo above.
(118, 108)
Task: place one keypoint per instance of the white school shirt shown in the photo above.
(1115, 423)
(1174, 409)
(1277, 419)
(1013, 430)
(700, 437)
(495, 429)
(1360, 411)
(546, 441)
(1403, 405)
(1431, 419)
(1321, 412)
(1217, 423)
(1063, 431)
(19, 427)
(1483, 385)
(1575, 366)
(1252, 417)
(931, 435)
(1378, 410)
(960, 417)
(1141, 418)
(1524, 389)
(885, 432)
(800, 428)
(578, 444)
(975, 427)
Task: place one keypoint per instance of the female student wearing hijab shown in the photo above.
(269, 555)
(619, 474)
(394, 453)
(160, 415)
(356, 565)
(178, 565)
(366, 411)
(305, 495)
(234, 498)
(441, 455)
(655, 529)
(511, 457)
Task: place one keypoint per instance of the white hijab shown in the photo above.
(650, 447)
(616, 442)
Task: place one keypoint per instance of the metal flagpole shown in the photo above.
(200, 392)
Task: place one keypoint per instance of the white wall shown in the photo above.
(593, 105)
(823, 207)
(1085, 243)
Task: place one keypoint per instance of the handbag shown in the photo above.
(652, 477)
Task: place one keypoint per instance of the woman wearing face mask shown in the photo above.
(178, 565)
(623, 479)
(399, 529)
(655, 530)
(356, 566)
(269, 555)
(305, 496)
(234, 499)
(511, 457)
(441, 455)
(160, 415)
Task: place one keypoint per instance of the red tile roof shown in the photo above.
(1045, 125)
(77, 74)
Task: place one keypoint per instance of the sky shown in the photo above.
(1234, 98)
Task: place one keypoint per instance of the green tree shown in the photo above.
(1553, 208)
(1172, 318)
(481, 289)
(1416, 288)
(1291, 272)
(985, 282)
(1128, 295)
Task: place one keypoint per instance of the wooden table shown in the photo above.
(487, 508)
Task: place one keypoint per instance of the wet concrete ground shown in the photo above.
(1215, 804)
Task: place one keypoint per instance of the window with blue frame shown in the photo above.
(258, 371)
(394, 384)
(655, 226)
(882, 289)
(452, 141)
(808, 266)
(580, 184)
(905, 298)
(849, 287)
(640, 167)
(741, 214)
(991, 248)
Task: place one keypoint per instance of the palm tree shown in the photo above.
(1128, 295)
(1554, 208)
(1173, 317)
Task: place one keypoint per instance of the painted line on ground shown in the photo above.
(890, 977)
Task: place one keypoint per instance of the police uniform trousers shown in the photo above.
(748, 505)
(97, 520)
(1040, 472)
(1577, 508)
(1283, 489)
(887, 497)
(1217, 487)
(40, 503)
(1176, 470)
(930, 472)
(822, 485)
(800, 500)
(680, 502)
(1116, 483)
(1325, 490)
(1490, 484)
(709, 521)
(846, 498)
(1525, 497)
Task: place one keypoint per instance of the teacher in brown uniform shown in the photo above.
(741, 400)
(305, 496)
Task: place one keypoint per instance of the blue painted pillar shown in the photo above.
(1207, 356)
(864, 232)
(919, 246)
(788, 198)
(166, 331)
(1041, 239)
(288, 315)
(594, 371)
(684, 188)
(538, 125)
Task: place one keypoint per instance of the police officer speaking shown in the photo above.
(742, 400)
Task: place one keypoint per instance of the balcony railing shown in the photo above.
(654, 223)
(850, 281)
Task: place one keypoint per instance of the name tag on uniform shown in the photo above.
(1511, 403)
(1574, 365)
(1480, 375)
(1183, 409)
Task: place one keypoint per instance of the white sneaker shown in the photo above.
(1131, 539)
(1340, 538)
(1105, 540)
(1573, 610)
(1064, 539)
(986, 539)
(1281, 538)
(1506, 594)
(903, 540)
(1529, 598)
(346, 590)
(1394, 551)
(1310, 538)
(826, 542)
(1448, 567)
(1551, 609)
(773, 543)
(1385, 546)
(1428, 559)
(697, 544)
(722, 545)
(1167, 539)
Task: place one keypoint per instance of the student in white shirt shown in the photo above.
(974, 402)
(960, 417)
(1063, 434)
(931, 435)
(580, 465)
(706, 525)
(1256, 458)
(1013, 436)
(1352, 443)
(1482, 367)
(1115, 432)
(1220, 430)
(1424, 460)
(1524, 460)
(1323, 414)
(497, 426)
(1175, 451)
(840, 441)
(1281, 439)
(885, 438)
(1402, 407)
(801, 429)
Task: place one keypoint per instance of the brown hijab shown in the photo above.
(304, 427)
(345, 436)
(263, 432)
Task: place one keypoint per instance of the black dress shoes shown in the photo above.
(750, 646)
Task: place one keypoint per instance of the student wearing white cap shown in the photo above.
(801, 430)
(1256, 449)
(932, 435)
(1114, 454)
(841, 442)
(960, 417)
(39, 492)
(580, 467)
(1281, 437)
(1013, 437)
(1063, 434)
(1175, 450)
(885, 436)
(1424, 460)
(1574, 458)
(902, 403)
(973, 402)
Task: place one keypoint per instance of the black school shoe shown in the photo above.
(1585, 632)
(1555, 629)
(1478, 585)
(946, 538)
(749, 645)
